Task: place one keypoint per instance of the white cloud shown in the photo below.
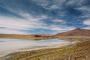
(86, 22)
(14, 25)
(59, 29)
(11, 31)
(20, 23)
(88, 27)
(58, 20)
(53, 7)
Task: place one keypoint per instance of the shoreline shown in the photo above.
(31, 49)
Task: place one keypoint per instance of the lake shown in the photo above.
(7, 45)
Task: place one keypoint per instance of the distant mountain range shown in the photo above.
(73, 33)
(22, 36)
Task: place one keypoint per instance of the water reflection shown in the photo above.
(9, 44)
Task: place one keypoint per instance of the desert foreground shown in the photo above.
(76, 51)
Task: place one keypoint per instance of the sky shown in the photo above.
(43, 16)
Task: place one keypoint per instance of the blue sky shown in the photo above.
(43, 16)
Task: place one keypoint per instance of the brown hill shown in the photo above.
(76, 32)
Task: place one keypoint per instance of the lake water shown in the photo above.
(14, 44)
(6, 44)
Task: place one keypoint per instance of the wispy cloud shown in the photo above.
(55, 15)
(11, 31)
(15, 25)
(86, 22)
(88, 27)
(60, 29)
(58, 21)
(20, 23)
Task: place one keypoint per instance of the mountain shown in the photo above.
(76, 33)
